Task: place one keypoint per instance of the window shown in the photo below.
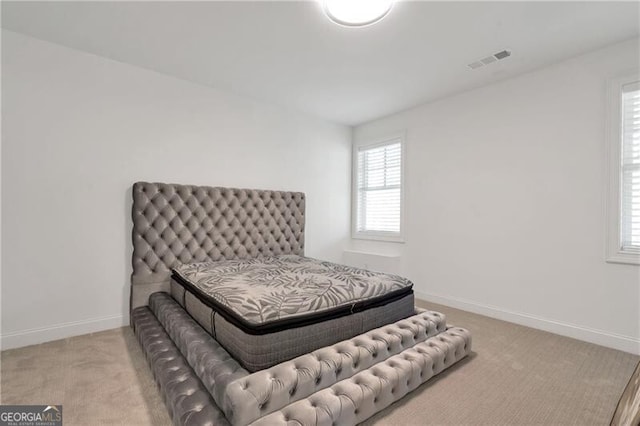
(623, 245)
(378, 192)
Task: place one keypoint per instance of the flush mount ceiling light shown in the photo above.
(356, 13)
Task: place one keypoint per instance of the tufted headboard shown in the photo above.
(183, 223)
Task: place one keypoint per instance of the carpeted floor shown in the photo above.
(516, 375)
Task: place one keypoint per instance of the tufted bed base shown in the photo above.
(354, 400)
(342, 384)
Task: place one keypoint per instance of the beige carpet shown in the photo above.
(516, 375)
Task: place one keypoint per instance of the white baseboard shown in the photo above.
(624, 343)
(35, 336)
(599, 337)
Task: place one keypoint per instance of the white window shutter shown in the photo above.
(379, 188)
(630, 170)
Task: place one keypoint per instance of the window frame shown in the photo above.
(383, 236)
(615, 253)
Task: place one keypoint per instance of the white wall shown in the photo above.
(505, 191)
(79, 129)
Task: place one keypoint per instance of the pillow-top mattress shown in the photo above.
(270, 294)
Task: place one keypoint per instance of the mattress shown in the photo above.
(275, 293)
(267, 345)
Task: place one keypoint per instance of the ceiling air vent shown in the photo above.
(489, 59)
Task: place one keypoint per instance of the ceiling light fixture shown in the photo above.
(356, 13)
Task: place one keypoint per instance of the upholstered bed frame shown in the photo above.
(200, 382)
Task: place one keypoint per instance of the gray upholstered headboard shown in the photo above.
(182, 223)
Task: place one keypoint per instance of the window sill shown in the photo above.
(378, 237)
(624, 257)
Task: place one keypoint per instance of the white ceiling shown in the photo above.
(290, 54)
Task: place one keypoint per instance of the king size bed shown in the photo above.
(239, 327)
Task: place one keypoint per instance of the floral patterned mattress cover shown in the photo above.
(272, 293)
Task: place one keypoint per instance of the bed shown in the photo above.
(331, 360)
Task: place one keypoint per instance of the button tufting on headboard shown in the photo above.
(183, 223)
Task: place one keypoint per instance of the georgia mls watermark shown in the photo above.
(30, 415)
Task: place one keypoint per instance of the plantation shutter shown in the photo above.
(379, 189)
(630, 199)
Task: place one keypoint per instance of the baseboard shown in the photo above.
(599, 337)
(624, 343)
(35, 336)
